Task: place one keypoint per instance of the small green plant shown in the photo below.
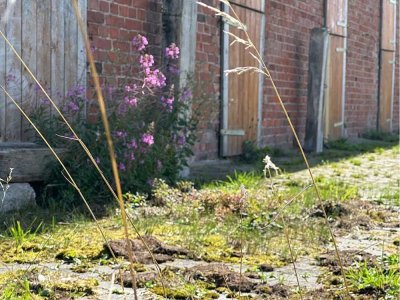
(340, 144)
(355, 161)
(136, 199)
(20, 235)
(381, 281)
(17, 291)
(381, 136)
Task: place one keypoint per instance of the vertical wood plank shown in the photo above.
(43, 48)
(261, 77)
(252, 4)
(388, 36)
(70, 47)
(28, 98)
(336, 19)
(224, 141)
(2, 73)
(13, 74)
(57, 50)
(81, 52)
(386, 91)
(334, 122)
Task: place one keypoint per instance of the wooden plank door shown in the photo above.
(242, 93)
(45, 33)
(336, 21)
(387, 65)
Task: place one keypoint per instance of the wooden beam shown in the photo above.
(316, 81)
(29, 162)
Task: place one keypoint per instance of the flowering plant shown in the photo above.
(152, 130)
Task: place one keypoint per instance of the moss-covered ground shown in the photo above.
(245, 219)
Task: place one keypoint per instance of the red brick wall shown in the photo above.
(361, 103)
(288, 25)
(208, 78)
(111, 26)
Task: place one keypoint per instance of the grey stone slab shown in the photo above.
(16, 197)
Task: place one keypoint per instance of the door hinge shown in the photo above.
(234, 132)
(338, 124)
(391, 62)
(340, 49)
(341, 23)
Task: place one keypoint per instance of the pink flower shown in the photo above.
(132, 144)
(130, 88)
(172, 51)
(181, 140)
(186, 95)
(140, 42)
(173, 69)
(130, 101)
(120, 134)
(146, 61)
(168, 102)
(72, 107)
(121, 166)
(97, 160)
(148, 139)
(154, 78)
(76, 91)
(130, 156)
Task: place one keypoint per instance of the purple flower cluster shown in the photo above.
(77, 91)
(181, 140)
(186, 95)
(168, 103)
(130, 88)
(72, 107)
(154, 79)
(121, 166)
(146, 61)
(121, 134)
(130, 101)
(132, 144)
(130, 156)
(148, 139)
(140, 42)
(172, 51)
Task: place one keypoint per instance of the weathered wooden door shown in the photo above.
(242, 93)
(46, 35)
(387, 59)
(336, 21)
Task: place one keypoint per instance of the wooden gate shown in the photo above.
(336, 21)
(242, 94)
(387, 59)
(45, 33)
